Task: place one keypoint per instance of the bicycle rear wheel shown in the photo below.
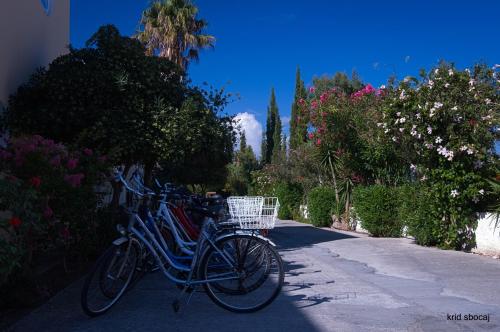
(255, 268)
(109, 278)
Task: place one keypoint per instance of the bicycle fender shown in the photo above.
(250, 235)
(120, 241)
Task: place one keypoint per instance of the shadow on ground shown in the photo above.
(289, 236)
(148, 305)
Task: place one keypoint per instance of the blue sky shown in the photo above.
(260, 43)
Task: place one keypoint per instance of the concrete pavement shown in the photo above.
(334, 282)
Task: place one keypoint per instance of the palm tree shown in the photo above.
(169, 28)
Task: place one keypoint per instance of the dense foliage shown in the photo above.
(320, 204)
(132, 107)
(377, 208)
(49, 193)
(444, 126)
(290, 197)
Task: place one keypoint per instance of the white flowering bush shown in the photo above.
(446, 124)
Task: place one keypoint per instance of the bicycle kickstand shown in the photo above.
(176, 304)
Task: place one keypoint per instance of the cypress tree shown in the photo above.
(276, 156)
(272, 112)
(263, 149)
(243, 142)
(298, 128)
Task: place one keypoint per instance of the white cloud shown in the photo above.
(252, 128)
(285, 121)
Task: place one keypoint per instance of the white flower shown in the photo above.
(450, 72)
(423, 178)
(386, 131)
(379, 124)
(467, 71)
(402, 120)
(450, 155)
(446, 85)
(438, 140)
(471, 82)
(429, 130)
(382, 87)
(454, 193)
(463, 147)
(402, 95)
(475, 200)
(413, 133)
(429, 145)
(398, 113)
(418, 115)
(394, 138)
(413, 167)
(431, 114)
(401, 129)
(487, 101)
(419, 136)
(454, 108)
(470, 151)
(481, 191)
(431, 84)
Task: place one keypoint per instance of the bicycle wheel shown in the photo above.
(256, 265)
(109, 278)
(253, 278)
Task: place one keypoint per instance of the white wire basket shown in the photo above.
(254, 212)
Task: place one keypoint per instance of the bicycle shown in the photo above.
(232, 267)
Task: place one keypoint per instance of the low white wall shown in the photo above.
(488, 235)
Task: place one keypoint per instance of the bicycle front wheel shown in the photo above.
(244, 273)
(109, 278)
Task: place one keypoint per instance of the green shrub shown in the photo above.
(415, 212)
(290, 196)
(377, 207)
(320, 204)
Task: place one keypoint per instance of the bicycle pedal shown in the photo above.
(176, 305)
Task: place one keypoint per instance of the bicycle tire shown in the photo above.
(101, 269)
(211, 288)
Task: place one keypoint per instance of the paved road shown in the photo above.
(334, 282)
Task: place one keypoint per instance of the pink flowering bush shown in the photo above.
(446, 124)
(50, 190)
(343, 129)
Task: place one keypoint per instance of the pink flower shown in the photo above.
(36, 181)
(323, 97)
(314, 104)
(301, 101)
(318, 141)
(312, 89)
(74, 180)
(311, 135)
(87, 151)
(72, 163)
(48, 213)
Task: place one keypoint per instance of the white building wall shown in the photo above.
(488, 235)
(30, 38)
